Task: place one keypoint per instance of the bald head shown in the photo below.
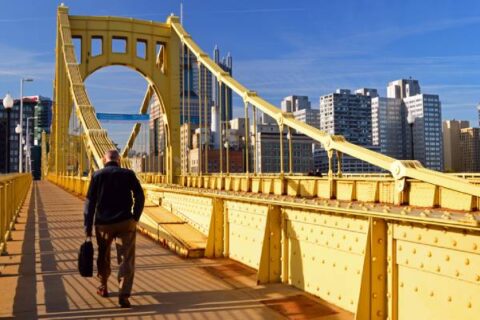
(111, 155)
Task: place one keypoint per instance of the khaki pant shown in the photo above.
(124, 233)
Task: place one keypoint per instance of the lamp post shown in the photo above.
(20, 151)
(8, 105)
(411, 121)
(28, 165)
(18, 130)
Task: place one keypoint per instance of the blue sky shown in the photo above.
(279, 47)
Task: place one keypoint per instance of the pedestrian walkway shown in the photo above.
(39, 277)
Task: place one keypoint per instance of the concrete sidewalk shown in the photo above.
(39, 277)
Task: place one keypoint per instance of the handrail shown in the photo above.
(13, 189)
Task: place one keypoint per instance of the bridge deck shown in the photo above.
(39, 277)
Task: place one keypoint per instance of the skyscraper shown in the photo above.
(295, 103)
(195, 93)
(452, 154)
(350, 115)
(30, 110)
(389, 127)
(392, 132)
(222, 96)
(478, 112)
(403, 88)
(427, 130)
(470, 149)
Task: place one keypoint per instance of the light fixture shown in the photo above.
(8, 101)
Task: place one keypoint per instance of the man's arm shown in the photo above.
(90, 206)
(138, 197)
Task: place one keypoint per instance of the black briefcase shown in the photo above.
(85, 259)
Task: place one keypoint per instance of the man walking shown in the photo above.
(109, 201)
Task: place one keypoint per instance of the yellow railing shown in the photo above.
(13, 189)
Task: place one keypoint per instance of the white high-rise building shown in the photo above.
(295, 103)
(403, 88)
(427, 130)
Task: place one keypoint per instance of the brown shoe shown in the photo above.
(124, 303)
(102, 291)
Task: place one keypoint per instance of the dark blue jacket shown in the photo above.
(109, 197)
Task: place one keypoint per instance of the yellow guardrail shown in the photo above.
(13, 189)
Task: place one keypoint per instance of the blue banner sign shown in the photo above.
(122, 117)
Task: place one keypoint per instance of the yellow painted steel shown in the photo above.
(159, 69)
(400, 246)
(13, 190)
(375, 264)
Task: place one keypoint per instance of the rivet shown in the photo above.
(419, 237)
(438, 269)
(457, 273)
(406, 261)
(318, 289)
(339, 297)
(400, 248)
(478, 277)
(431, 293)
(351, 301)
(454, 243)
(449, 299)
(328, 293)
(475, 246)
(414, 251)
(323, 261)
(401, 284)
(374, 259)
(334, 265)
(379, 313)
(467, 262)
(345, 268)
(435, 240)
(415, 289)
(380, 241)
(469, 305)
(404, 234)
(380, 277)
(429, 254)
(375, 296)
(447, 258)
(421, 265)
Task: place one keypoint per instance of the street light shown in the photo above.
(411, 121)
(18, 130)
(28, 165)
(8, 105)
(20, 157)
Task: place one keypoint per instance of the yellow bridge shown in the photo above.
(399, 245)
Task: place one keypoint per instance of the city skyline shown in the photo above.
(358, 46)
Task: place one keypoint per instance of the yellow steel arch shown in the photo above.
(158, 63)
